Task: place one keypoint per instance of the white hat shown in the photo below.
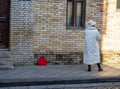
(91, 23)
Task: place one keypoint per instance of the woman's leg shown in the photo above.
(89, 68)
(99, 67)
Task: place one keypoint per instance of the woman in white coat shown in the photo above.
(91, 49)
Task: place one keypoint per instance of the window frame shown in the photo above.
(118, 5)
(74, 10)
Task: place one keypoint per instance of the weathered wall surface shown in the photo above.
(38, 27)
(50, 36)
(111, 34)
(21, 26)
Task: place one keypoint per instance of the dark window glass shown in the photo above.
(118, 4)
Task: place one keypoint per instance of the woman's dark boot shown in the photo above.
(99, 67)
(89, 68)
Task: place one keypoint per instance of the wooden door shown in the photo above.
(4, 23)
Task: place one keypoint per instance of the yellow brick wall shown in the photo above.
(38, 28)
(50, 34)
(110, 45)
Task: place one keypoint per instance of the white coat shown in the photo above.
(91, 49)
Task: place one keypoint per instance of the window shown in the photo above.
(118, 4)
(75, 13)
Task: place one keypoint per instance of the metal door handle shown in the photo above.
(2, 18)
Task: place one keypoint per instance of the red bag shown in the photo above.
(42, 61)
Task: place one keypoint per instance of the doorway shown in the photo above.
(4, 23)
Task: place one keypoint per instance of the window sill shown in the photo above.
(74, 28)
(118, 10)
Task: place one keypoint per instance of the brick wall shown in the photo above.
(94, 11)
(111, 34)
(50, 36)
(21, 31)
(38, 27)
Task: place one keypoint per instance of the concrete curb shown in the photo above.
(33, 82)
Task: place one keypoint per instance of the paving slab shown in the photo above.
(58, 74)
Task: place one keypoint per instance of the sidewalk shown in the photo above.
(58, 74)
